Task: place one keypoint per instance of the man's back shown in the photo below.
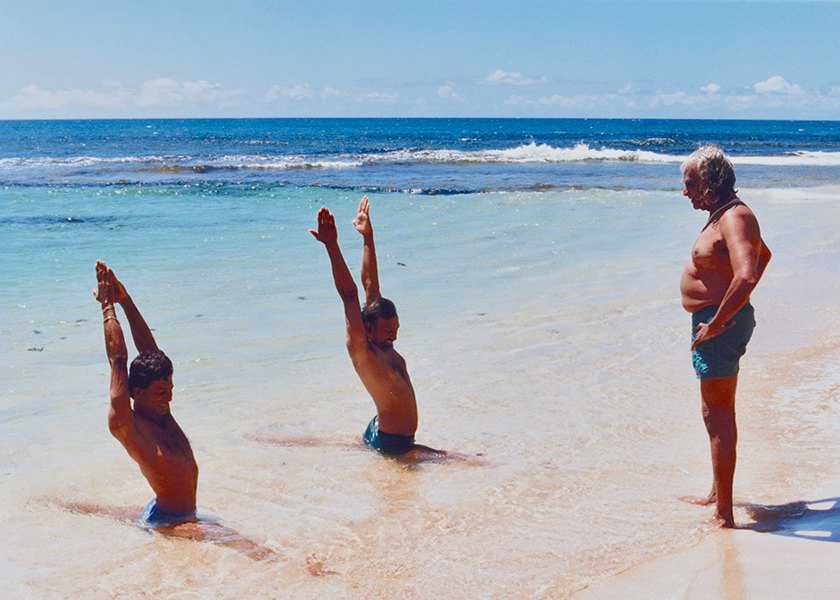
(385, 377)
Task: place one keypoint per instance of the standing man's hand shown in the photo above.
(704, 333)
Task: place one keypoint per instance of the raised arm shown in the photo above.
(347, 290)
(370, 272)
(119, 415)
(144, 341)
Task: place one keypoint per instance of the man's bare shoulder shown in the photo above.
(371, 355)
(738, 221)
(150, 441)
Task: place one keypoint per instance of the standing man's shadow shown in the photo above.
(817, 520)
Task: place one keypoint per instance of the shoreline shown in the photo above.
(786, 550)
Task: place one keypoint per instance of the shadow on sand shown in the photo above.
(420, 454)
(201, 530)
(817, 520)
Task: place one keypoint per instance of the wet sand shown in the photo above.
(797, 561)
(778, 550)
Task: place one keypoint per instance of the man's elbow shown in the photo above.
(118, 427)
(349, 294)
(118, 357)
(747, 281)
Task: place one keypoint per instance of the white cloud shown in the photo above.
(445, 92)
(168, 92)
(558, 100)
(377, 98)
(153, 93)
(514, 78)
(34, 97)
(741, 102)
(299, 92)
(329, 92)
(671, 99)
(776, 85)
(710, 89)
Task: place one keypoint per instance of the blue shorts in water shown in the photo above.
(389, 444)
(157, 516)
(719, 357)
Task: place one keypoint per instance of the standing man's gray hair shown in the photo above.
(715, 171)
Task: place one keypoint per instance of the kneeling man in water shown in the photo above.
(726, 263)
(371, 333)
(147, 431)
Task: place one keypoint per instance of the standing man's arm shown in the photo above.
(144, 341)
(748, 257)
(120, 414)
(347, 290)
(370, 272)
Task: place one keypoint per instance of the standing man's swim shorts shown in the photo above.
(719, 356)
(157, 516)
(390, 444)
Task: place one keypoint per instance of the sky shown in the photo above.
(409, 58)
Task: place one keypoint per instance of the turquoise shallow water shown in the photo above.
(541, 329)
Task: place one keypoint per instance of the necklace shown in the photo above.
(720, 209)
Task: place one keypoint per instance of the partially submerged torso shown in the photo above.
(166, 460)
(386, 379)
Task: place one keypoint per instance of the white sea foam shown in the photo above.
(796, 159)
(531, 153)
(544, 153)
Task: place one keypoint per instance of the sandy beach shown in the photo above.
(542, 329)
(781, 548)
(777, 557)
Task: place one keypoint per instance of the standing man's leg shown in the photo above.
(718, 397)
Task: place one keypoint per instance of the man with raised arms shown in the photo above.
(371, 333)
(147, 431)
(726, 263)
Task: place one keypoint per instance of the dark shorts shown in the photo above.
(156, 516)
(389, 444)
(718, 357)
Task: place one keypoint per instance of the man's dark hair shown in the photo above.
(381, 308)
(147, 368)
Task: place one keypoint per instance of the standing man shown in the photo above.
(726, 263)
(371, 333)
(147, 431)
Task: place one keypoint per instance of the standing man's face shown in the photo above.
(694, 188)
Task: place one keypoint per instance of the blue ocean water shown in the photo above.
(414, 155)
(535, 264)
